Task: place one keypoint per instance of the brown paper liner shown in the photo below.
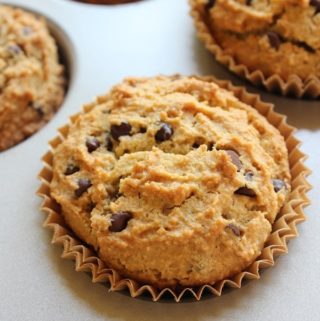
(294, 86)
(284, 228)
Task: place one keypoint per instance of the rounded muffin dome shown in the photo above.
(172, 180)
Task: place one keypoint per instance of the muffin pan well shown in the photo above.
(106, 44)
(33, 81)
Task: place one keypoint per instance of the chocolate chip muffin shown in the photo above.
(31, 78)
(277, 37)
(173, 180)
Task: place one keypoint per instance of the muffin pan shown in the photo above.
(102, 45)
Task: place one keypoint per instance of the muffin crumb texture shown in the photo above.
(31, 78)
(277, 37)
(173, 180)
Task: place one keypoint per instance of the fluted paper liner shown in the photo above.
(284, 228)
(294, 86)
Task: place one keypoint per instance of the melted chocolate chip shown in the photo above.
(83, 185)
(235, 229)
(71, 169)
(143, 130)
(248, 2)
(119, 221)
(164, 133)
(274, 39)
(92, 144)
(316, 5)
(195, 145)
(246, 191)
(278, 185)
(123, 129)
(234, 158)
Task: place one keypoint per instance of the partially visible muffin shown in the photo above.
(277, 37)
(173, 180)
(31, 77)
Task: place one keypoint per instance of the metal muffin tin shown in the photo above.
(102, 45)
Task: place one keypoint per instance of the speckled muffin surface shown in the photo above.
(277, 37)
(31, 78)
(173, 180)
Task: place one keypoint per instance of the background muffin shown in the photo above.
(176, 171)
(31, 77)
(273, 37)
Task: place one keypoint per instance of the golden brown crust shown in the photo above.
(198, 212)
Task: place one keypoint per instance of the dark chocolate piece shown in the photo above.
(246, 191)
(123, 129)
(164, 133)
(119, 221)
(83, 185)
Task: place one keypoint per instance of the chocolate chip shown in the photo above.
(249, 176)
(248, 2)
(119, 221)
(83, 185)
(316, 4)
(235, 229)
(278, 185)
(92, 144)
(109, 144)
(164, 133)
(274, 39)
(195, 145)
(14, 49)
(210, 146)
(123, 129)
(246, 191)
(210, 4)
(234, 158)
(143, 130)
(71, 169)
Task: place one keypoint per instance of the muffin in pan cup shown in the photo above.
(174, 184)
(32, 80)
(274, 44)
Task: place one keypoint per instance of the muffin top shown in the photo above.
(277, 37)
(176, 171)
(31, 78)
